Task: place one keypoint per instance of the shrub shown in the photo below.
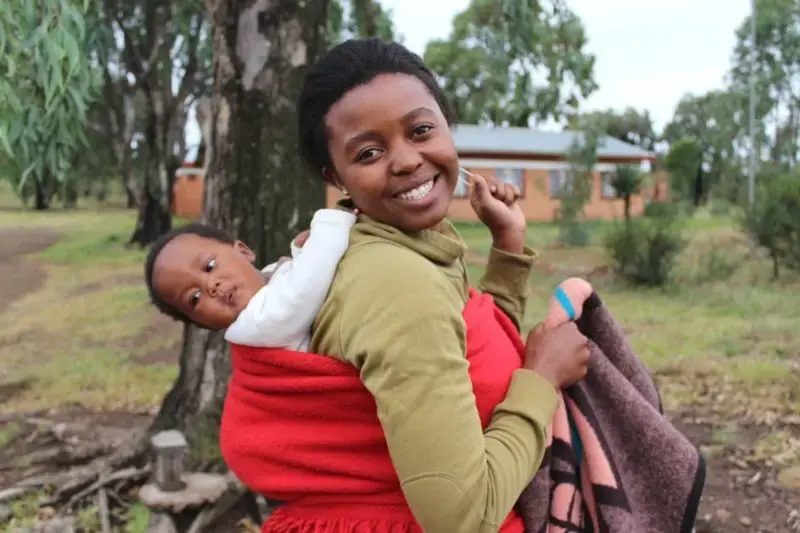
(660, 209)
(573, 233)
(773, 221)
(645, 251)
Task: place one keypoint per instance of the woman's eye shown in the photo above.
(194, 298)
(423, 129)
(369, 153)
(211, 264)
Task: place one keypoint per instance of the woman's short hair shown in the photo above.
(343, 68)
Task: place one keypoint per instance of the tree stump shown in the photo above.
(204, 497)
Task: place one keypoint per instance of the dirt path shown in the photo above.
(18, 275)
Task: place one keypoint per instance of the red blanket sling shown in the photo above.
(301, 428)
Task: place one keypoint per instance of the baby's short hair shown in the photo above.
(201, 230)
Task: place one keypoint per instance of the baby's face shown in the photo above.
(208, 280)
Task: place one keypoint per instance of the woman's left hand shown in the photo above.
(496, 205)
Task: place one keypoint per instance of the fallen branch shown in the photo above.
(128, 474)
(64, 456)
(102, 510)
(14, 492)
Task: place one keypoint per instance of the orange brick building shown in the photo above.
(531, 159)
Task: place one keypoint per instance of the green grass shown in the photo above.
(712, 330)
(81, 338)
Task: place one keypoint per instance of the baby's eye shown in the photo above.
(194, 298)
(211, 264)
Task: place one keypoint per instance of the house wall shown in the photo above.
(187, 198)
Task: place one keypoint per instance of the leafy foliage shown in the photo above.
(645, 250)
(774, 223)
(359, 18)
(630, 126)
(683, 162)
(627, 180)
(582, 158)
(46, 87)
(489, 64)
(776, 51)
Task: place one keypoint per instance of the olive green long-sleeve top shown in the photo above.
(394, 311)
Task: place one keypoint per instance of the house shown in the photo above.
(534, 161)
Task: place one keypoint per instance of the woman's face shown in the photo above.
(392, 151)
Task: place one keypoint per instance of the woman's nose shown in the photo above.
(406, 159)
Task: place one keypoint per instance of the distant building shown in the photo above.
(531, 159)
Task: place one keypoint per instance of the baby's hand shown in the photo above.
(301, 238)
(567, 304)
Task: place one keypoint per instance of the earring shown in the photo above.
(344, 191)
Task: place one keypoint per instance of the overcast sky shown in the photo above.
(649, 52)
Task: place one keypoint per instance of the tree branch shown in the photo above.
(140, 67)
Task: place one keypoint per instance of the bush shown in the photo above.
(573, 233)
(660, 209)
(773, 221)
(645, 251)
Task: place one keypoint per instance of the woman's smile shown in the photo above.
(421, 194)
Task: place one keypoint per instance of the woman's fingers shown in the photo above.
(506, 192)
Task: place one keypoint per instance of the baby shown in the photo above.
(202, 276)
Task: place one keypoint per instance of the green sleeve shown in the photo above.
(506, 279)
(401, 325)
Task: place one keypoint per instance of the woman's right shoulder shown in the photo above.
(381, 257)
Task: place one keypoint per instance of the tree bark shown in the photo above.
(627, 201)
(42, 194)
(255, 186)
(155, 217)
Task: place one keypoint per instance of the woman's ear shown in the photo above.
(245, 250)
(332, 178)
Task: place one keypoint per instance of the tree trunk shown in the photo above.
(627, 203)
(41, 198)
(255, 185)
(155, 216)
(70, 194)
(776, 265)
(130, 196)
(128, 181)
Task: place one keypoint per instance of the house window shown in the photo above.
(607, 189)
(513, 176)
(559, 184)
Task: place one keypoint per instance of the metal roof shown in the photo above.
(488, 140)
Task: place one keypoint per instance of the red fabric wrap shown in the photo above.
(301, 428)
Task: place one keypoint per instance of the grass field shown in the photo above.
(722, 341)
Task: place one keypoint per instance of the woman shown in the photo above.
(374, 123)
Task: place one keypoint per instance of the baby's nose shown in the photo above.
(213, 288)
